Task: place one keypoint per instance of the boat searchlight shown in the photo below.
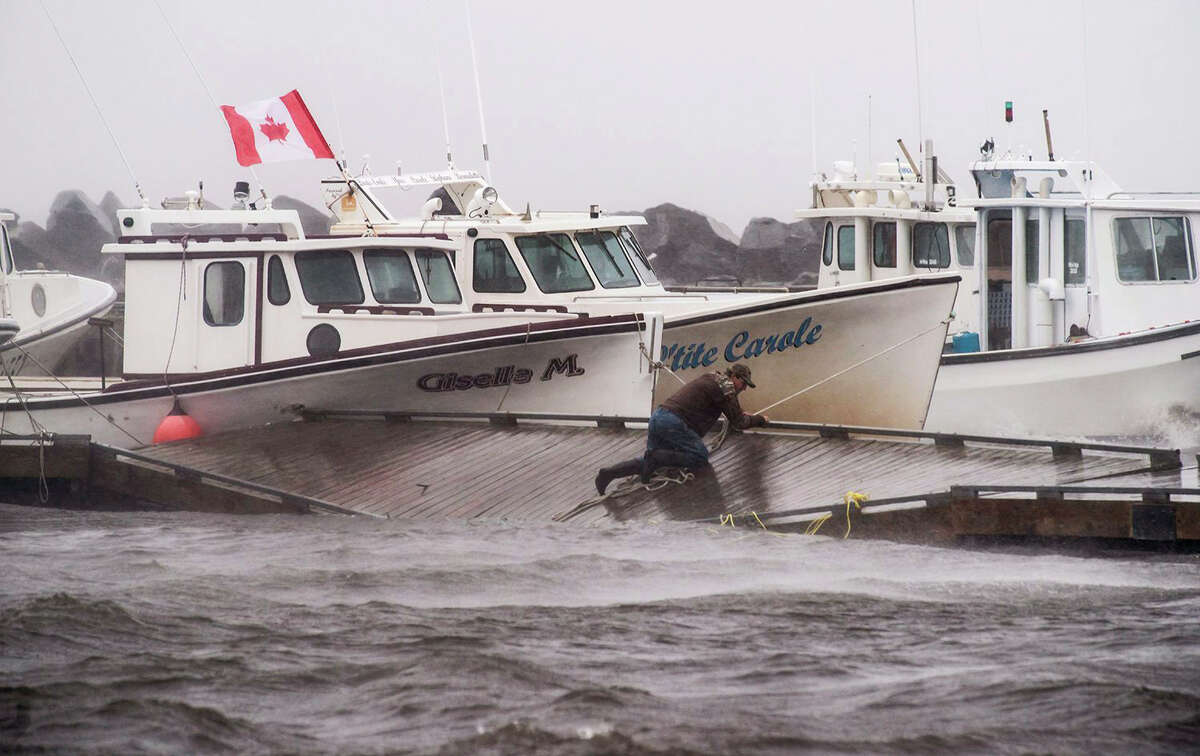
(485, 198)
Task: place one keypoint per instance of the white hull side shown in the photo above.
(69, 301)
(873, 364)
(1143, 389)
(607, 376)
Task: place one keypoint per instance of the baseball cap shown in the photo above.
(741, 371)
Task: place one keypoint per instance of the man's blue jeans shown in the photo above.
(668, 431)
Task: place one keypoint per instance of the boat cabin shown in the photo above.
(247, 287)
(881, 227)
(1051, 252)
(1066, 255)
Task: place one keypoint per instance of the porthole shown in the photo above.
(323, 341)
(37, 298)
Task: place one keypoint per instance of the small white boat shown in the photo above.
(1080, 313)
(51, 309)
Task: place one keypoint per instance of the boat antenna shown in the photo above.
(917, 58)
(446, 120)
(812, 114)
(216, 107)
(487, 166)
(1087, 119)
(870, 173)
(136, 184)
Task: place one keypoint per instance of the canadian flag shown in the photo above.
(273, 130)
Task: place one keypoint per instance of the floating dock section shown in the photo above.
(838, 481)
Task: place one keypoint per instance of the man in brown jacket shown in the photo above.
(679, 424)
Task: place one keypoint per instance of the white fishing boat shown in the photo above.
(861, 355)
(248, 326)
(1079, 313)
(50, 308)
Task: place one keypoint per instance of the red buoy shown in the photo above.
(176, 426)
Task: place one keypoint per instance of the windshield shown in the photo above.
(638, 256)
(438, 275)
(329, 277)
(391, 277)
(554, 263)
(607, 258)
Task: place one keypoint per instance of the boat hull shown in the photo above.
(855, 355)
(66, 302)
(591, 366)
(1141, 385)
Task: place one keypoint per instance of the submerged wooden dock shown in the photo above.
(921, 487)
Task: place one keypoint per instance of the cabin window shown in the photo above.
(554, 263)
(391, 276)
(964, 238)
(224, 293)
(930, 245)
(1155, 248)
(495, 272)
(329, 276)
(278, 291)
(6, 260)
(885, 245)
(607, 258)
(640, 260)
(845, 238)
(827, 245)
(437, 271)
(1075, 252)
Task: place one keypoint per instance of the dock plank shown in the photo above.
(533, 471)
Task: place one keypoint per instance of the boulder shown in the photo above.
(685, 248)
(776, 253)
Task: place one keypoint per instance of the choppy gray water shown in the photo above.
(194, 633)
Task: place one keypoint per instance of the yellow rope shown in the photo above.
(816, 524)
(852, 498)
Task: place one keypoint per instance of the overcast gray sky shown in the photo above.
(622, 103)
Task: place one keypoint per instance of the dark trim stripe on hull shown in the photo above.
(374, 356)
(822, 295)
(1142, 337)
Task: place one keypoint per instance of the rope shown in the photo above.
(73, 392)
(42, 434)
(654, 364)
(179, 300)
(203, 83)
(852, 498)
(626, 487)
(528, 327)
(96, 105)
(940, 323)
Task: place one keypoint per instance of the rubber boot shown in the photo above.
(608, 474)
(663, 458)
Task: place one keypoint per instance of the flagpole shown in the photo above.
(262, 189)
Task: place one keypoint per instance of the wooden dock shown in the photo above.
(936, 488)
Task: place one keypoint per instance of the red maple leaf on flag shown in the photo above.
(274, 131)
